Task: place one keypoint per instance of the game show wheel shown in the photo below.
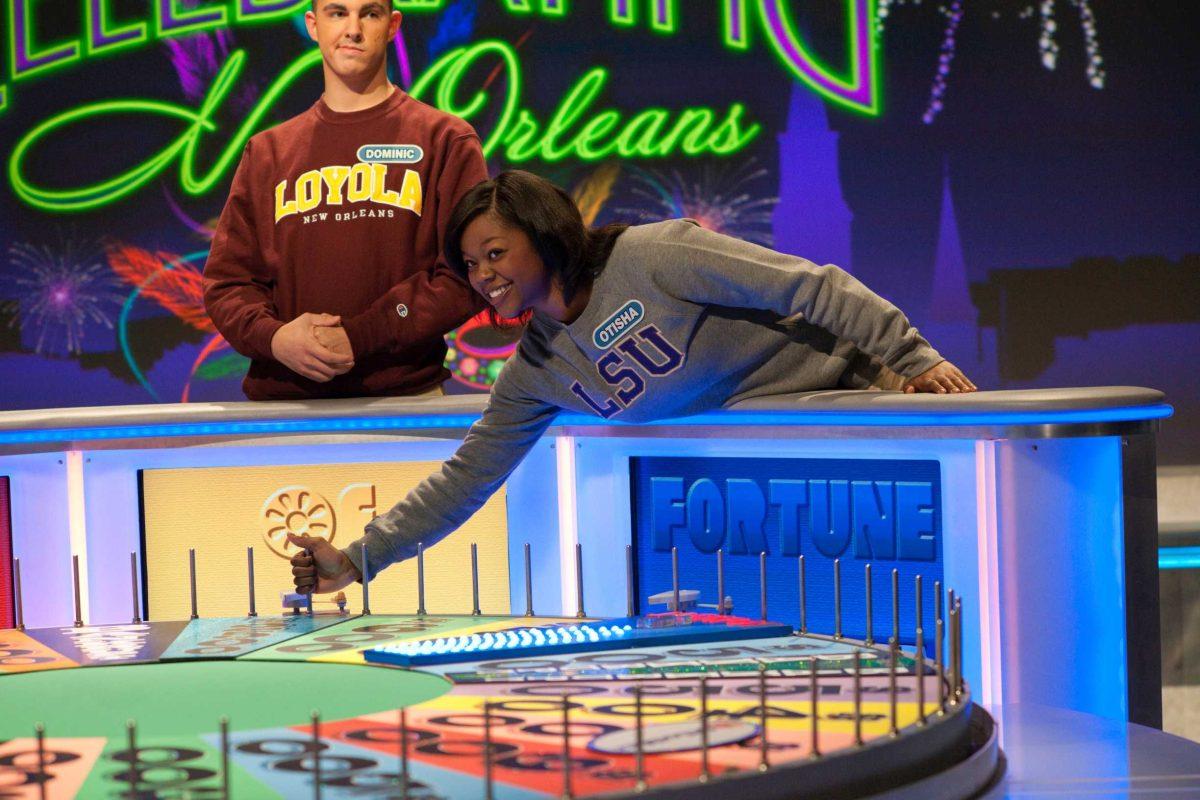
(503, 723)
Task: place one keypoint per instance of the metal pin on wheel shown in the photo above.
(720, 581)
(764, 762)
(675, 580)
(858, 739)
(39, 730)
(250, 574)
(639, 746)
(952, 678)
(579, 614)
(937, 600)
(566, 747)
(958, 651)
(308, 598)
(192, 577)
(403, 753)
(131, 739)
(893, 709)
(420, 579)
(814, 707)
(133, 580)
(870, 639)
(940, 662)
(762, 584)
(803, 598)
(630, 604)
(224, 758)
(79, 599)
(704, 772)
(366, 579)
(316, 740)
(896, 606)
(919, 666)
(837, 598)
(20, 606)
(488, 791)
(528, 582)
(474, 580)
(920, 611)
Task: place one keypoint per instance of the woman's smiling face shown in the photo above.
(503, 266)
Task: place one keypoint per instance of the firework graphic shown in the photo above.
(197, 60)
(177, 285)
(456, 27)
(61, 293)
(720, 201)
(594, 191)
(1047, 42)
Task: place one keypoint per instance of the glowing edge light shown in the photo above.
(1179, 558)
(987, 530)
(726, 418)
(77, 523)
(568, 519)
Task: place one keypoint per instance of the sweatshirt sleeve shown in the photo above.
(700, 266)
(492, 449)
(237, 283)
(435, 299)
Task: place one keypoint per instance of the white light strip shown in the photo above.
(990, 655)
(77, 524)
(568, 520)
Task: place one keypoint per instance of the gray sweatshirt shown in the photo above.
(681, 320)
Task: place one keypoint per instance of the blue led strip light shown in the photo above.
(751, 418)
(587, 637)
(906, 418)
(227, 428)
(1179, 558)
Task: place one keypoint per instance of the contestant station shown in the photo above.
(586, 642)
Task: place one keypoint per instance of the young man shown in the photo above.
(325, 269)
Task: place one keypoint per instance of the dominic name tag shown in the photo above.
(390, 153)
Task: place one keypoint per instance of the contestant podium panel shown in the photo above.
(219, 512)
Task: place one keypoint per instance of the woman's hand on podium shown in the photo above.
(320, 567)
(942, 378)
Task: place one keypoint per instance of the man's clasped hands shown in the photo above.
(315, 346)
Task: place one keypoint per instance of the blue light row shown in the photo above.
(908, 418)
(1179, 558)
(507, 640)
(751, 418)
(227, 428)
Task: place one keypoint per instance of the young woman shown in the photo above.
(630, 323)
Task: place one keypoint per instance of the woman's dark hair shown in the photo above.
(572, 253)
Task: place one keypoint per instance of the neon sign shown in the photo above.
(576, 129)
(857, 90)
(694, 131)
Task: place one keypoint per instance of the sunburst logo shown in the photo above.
(298, 510)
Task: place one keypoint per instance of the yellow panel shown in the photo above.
(222, 511)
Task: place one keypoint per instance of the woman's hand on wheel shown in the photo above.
(326, 570)
(943, 378)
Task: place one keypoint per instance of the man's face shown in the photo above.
(353, 34)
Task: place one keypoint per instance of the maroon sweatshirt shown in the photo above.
(344, 213)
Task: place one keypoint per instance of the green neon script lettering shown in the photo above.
(572, 131)
(198, 122)
(521, 137)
